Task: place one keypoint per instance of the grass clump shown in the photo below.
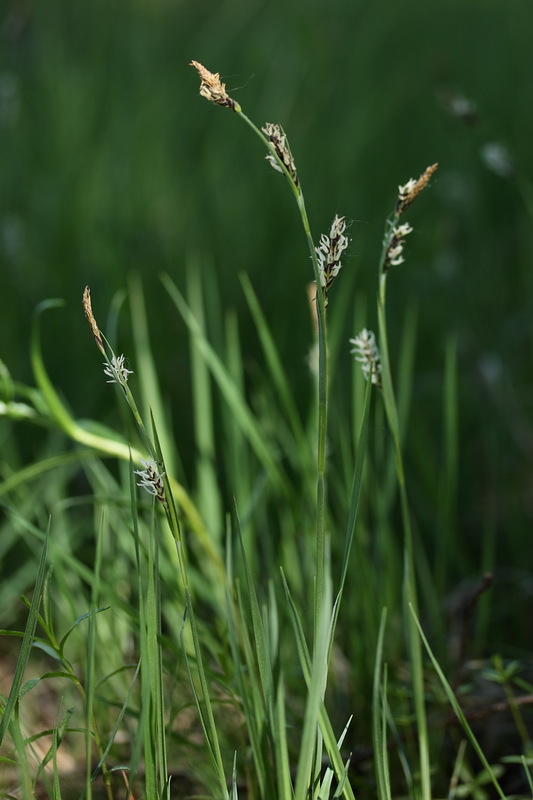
(247, 632)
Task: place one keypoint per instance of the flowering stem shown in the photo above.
(409, 584)
(322, 372)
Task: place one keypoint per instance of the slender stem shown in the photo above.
(322, 377)
(409, 588)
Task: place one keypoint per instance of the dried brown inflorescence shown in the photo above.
(87, 307)
(213, 89)
(411, 190)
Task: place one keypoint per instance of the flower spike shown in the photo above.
(409, 192)
(366, 352)
(116, 370)
(87, 307)
(278, 139)
(213, 89)
(329, 252)
(393, 254)
(151, 479)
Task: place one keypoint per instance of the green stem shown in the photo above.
(409, 588)
(322, 378)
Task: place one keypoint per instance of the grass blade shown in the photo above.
(457, 708)
(229, 390)
(27, 640)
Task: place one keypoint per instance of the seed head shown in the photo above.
(366, 352)
(329, 252)
(409, 192)
(151, 479)
(277, 137)
(213, 89)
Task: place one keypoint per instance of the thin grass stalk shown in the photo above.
(325, 724)
(283, 774)
(447, 540)
(27, 640)
(256, 704)
(152, 402)
(90, 718)
(230, 391)
(277, 372)
(410, 592)
(249, 692)
(529, 777)
(56, 788)
(262, 650)
(136, 749)
(457, 707)
(355, 495)
(322, 376)
(309, 760)
(457, 768)
(20, 747)
(208, 494)
(379, 724)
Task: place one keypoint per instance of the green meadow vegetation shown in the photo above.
(265, 409)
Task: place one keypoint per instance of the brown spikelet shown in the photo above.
(411, 190)
(87, 307)
(213, 89)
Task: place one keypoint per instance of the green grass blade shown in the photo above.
(379, 726)
(247, 683)
(90, 725)
(330, 741)
(56, 788)
(20, 747)
(283, 773)
(356, 488)
(409, 583)
(277, 372)
(457, 708)
(147, 374)
(229, 390)
(528, 774)
(310, 746)
(447, 542)
(27, 640)
(209, 501)
(260, 637)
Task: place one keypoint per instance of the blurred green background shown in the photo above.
(112, 165)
